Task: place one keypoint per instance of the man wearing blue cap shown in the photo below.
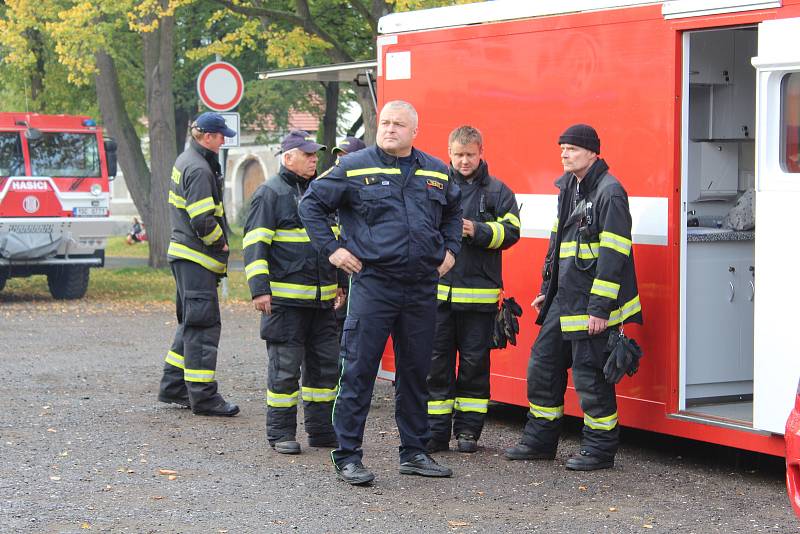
(294, 287)
(198, 257)
(348, 146)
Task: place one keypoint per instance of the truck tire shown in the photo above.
(68, 282)
(3, 278)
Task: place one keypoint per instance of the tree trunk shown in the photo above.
(182, 117)
(158, 65)
(118, 125)
(36, 43)
(329, 122)
(368, 113)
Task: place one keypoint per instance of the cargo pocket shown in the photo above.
(349, 339)
(200, 308)
(437, 202)
(273, 327)
(374, 201)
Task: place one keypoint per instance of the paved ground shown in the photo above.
(82, 441)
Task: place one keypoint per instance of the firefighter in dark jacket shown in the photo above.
(294, 287)
(401, 223)
(468, 297)
(589, 289)
(198, 257)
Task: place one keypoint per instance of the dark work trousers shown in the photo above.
(459, 400)
(191, 363)
(380, 305)
(301, 340)
(551, 356)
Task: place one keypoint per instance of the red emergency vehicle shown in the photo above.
(793, 455)
(696, 103)
(54, 199)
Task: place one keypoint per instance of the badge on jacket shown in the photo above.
(434, 183)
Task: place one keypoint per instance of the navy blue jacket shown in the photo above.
(398, 224)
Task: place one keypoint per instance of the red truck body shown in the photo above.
(54, 199)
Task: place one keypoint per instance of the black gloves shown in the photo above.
(506, 325)
(623, 358)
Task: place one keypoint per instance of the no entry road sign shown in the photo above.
(220, 86)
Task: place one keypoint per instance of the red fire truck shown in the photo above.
(54, 199)
(697, 103)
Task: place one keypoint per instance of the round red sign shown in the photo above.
(220, 86)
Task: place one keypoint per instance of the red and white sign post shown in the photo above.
(220, 86)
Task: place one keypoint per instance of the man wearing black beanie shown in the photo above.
(588, 290)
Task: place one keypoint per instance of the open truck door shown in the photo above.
(777, 284)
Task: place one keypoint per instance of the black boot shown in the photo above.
(526, 452)
(224, 409)
(587, 461)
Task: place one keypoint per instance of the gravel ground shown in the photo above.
(82, 440)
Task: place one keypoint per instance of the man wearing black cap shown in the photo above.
(589, 289)
(198, 257)
(294, 288)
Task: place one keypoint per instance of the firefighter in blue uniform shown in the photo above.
(198, 257)
(294, 287)
(401, 220)
(589, 289)
(468, 297)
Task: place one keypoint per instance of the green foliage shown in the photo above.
(131, 284)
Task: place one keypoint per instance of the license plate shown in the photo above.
(89, 212)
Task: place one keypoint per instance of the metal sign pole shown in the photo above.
(223, 160)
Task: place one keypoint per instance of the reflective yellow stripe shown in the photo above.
(255, 268)
(472, 295)
(183, 252)
(319, 394)
(510, 217)
(219, 210)
(466, 404)
(432, 174)
(441, 407)
(337, 231)
(630, 308)
(198, 375)
(498, 234)
(550, 413)
(605, 289)
(282, 400)
(200, 207)
(601, 423)
(615, 242)
(327, 292)
(371, 170)
(215, 234)
(293, 291)
(177, 200)
(255, 235)
(555, 226)
(291, 235)
(577, 323)
(442, 292)
(173, 358)
(176, 175)
(589, 251)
